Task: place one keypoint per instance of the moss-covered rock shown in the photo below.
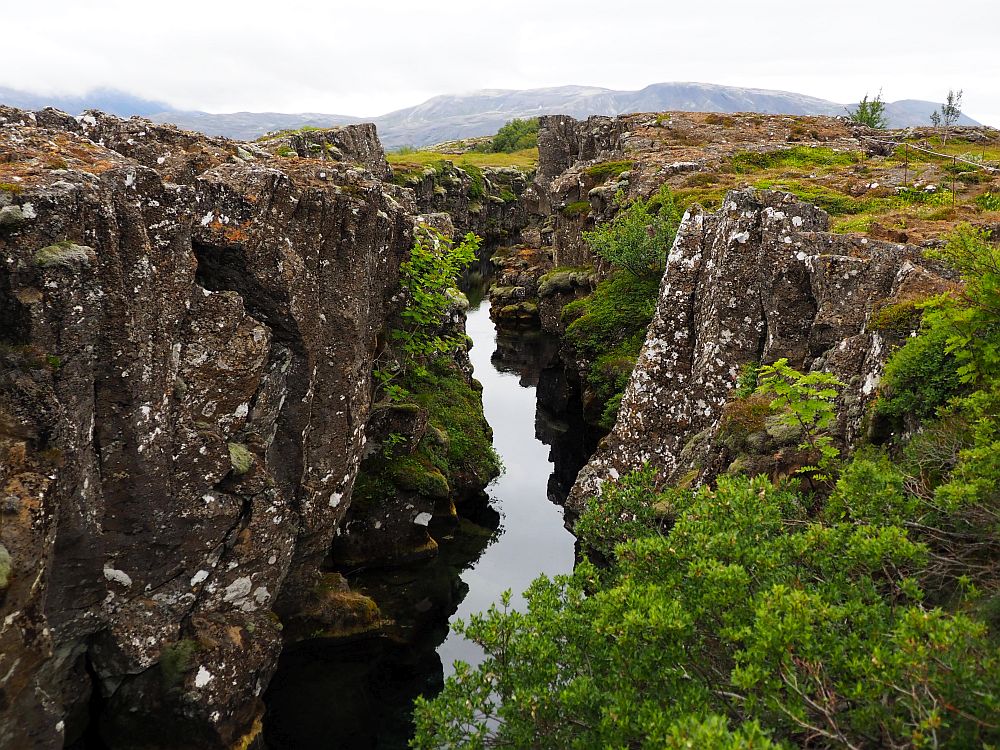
(4, 568)
(241, 458)
(64, 255)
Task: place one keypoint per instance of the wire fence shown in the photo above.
(954, 158)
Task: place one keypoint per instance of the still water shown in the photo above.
(358, 695)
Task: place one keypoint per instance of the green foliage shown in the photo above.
(608, 328)
(796, 629)
(807, 402)
(989, 201)
(516, 135)
(286, 151)
(748, 379)
(240, 458)
(11, 187)
(920, 378)
(175, 661)
(623, 511)
(576, 208)
(607, 169)
(870, 113)
(859, 620)
(639, 237)
(744, 162)
(477, 186)
(428, 281)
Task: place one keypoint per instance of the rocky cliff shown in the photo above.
(187, 328)
(758, 280)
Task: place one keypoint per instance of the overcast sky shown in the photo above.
(368, 57)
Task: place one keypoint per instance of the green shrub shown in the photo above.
(870, 113)
(608, 328)
(989, 201)
(516, 135)
(639, 237)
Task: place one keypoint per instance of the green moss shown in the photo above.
(606, 170)
(455, 452)
(477, 187)
(608, 328)
(63, 254)
(241, 458)
(175, 661)
(4, 568)
(576, 208)
(744, 162)
(286, 151)
(11, 187)
(897, 317)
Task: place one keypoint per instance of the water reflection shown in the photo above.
(359, 695)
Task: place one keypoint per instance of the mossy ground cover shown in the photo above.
(456, 451)
(406, 160)
(608, 328)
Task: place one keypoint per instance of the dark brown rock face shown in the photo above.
(187, 327)
(758, 280)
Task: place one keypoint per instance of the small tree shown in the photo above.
(807, 402)
(870, 113)
(428, 280)
(949, 114)
(640, 236)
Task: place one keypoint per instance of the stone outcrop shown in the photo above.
(188, 326)
(759, 280)
(353, 144)
(484, 201)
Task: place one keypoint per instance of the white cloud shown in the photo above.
(367, 58)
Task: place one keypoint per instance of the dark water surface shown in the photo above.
(359, 695)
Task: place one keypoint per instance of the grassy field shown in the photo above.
(407, 159)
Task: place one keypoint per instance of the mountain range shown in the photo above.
(482, 112)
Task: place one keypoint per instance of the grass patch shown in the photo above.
(606, 170)
(576, 208)
(11, 187)
(608, 327)
(526, 159)
(745, 162)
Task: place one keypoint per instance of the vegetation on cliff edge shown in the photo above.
(755, 614)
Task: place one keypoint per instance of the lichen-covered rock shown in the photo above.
(354, 144)
(758, 280)
(484, 201)
(185, 357)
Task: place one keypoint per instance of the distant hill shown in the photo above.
(452, 116)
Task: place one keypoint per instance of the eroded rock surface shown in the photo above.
(187, 328)
(759, 280)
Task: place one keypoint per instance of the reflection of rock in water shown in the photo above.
(477, 278)
(525, 353)
(356, 695)
(534, 357)
(559, 424)
(360, 695)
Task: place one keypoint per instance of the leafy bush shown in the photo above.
(795, 628)
(639, 237)
(989, 201)
(516, 135)
(807, 402)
